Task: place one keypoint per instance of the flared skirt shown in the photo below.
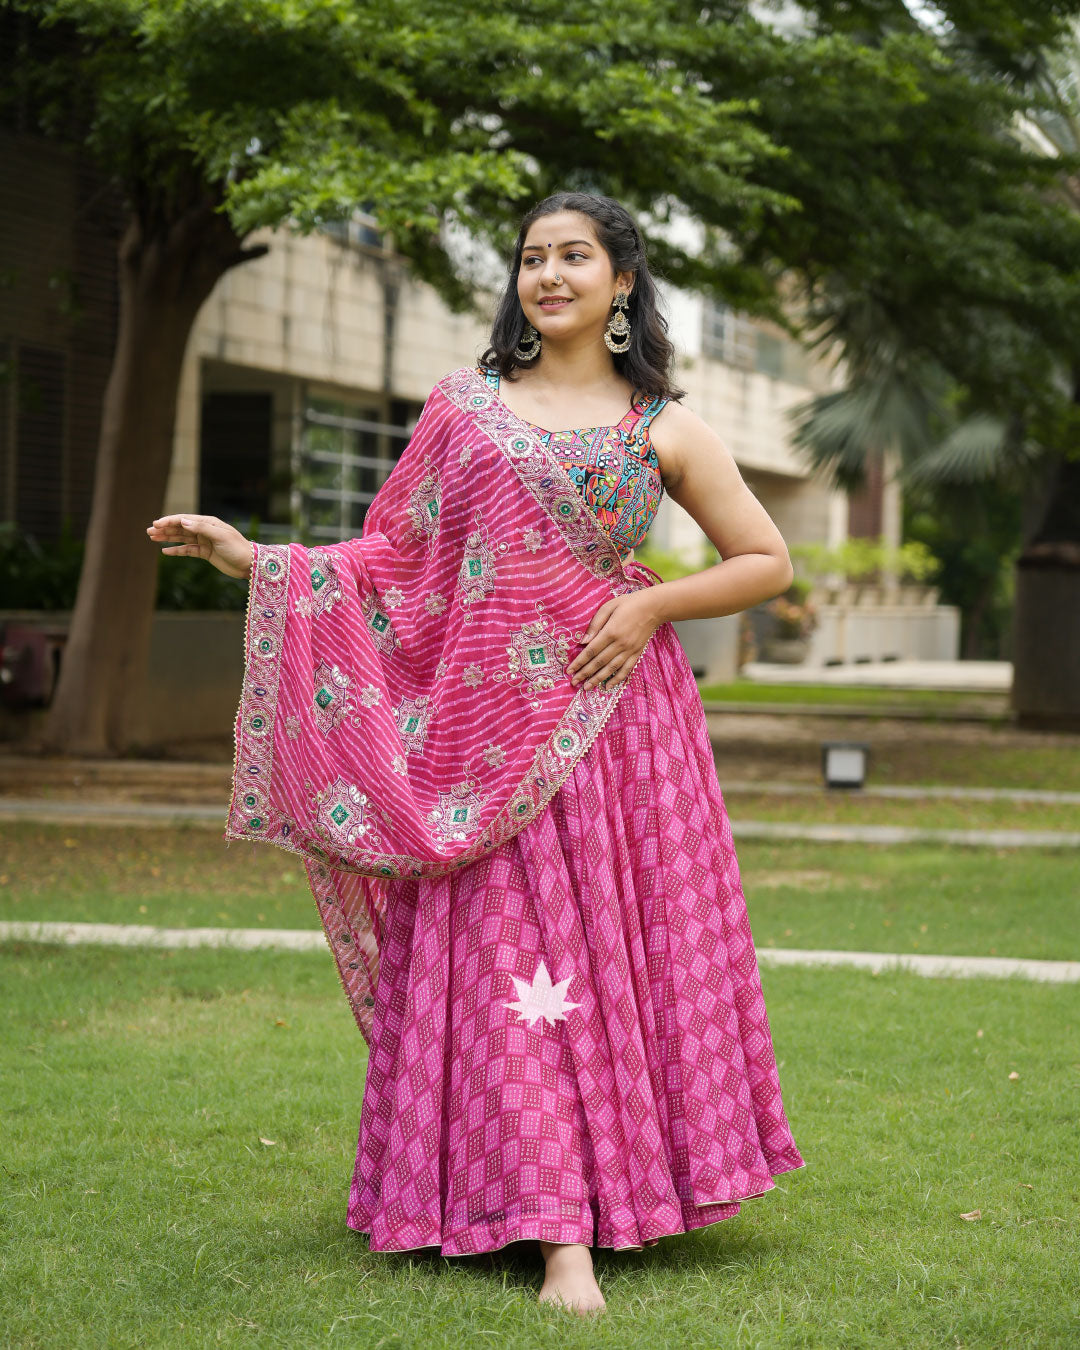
(570, 1041)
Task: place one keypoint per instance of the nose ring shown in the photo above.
(558, 279)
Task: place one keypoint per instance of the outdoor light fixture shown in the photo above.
(843, 763)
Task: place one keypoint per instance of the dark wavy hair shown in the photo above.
(649, 362)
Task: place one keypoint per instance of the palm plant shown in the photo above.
(957, 445)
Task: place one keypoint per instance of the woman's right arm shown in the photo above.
(190, 536)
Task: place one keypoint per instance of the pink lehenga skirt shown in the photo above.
(570, 1041)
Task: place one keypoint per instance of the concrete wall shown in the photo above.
(849, 633)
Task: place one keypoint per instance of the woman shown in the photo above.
(478, 728)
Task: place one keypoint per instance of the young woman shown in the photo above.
(477, 727)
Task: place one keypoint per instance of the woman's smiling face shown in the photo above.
(565, 245)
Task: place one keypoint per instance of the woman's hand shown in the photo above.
(205, 537)
(615, 639)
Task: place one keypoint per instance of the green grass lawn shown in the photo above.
(929, 898)
(142, 1209)
(926, 700)
(919, 756)
(850, 808)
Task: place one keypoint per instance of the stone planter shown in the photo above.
(786, 651)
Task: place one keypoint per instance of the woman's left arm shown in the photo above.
(700, 474)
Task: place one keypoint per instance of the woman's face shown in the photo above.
(565, 245)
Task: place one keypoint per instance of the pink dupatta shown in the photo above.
(405, 706)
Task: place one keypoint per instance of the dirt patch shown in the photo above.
(787, 748)
(115, 780)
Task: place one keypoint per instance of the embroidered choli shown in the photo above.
(614, 468)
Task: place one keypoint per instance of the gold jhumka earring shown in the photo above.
(532, 351)
(617, 333)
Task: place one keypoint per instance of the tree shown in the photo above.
(985, 459)
(810, 154)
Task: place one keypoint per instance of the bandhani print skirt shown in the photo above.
(570, 1041)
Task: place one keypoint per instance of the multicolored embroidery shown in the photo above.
(457, 814)
(425, 503)
(330, 699)
(252, 814)
(344, 813)
(541, 475)
(536, 659)
(412, 716)
(476, 577)
(326, 588)
(378, 624)
(615, 469)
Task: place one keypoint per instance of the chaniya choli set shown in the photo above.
(529, 887)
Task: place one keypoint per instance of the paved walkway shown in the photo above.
(983, 677)
(903, 834)
(67, 812)
(305, 940)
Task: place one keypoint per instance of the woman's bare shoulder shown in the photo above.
(681, 437)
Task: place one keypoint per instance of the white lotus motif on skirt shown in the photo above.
(541, 998)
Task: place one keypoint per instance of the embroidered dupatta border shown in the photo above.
(252, 818)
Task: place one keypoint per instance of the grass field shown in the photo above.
(847, 808)
(960, 901)
(179, 1131)
(179, 1127)
(915, 756)
(927, 701)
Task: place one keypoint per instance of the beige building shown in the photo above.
(307, 368)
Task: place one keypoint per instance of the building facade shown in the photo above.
(308, 367)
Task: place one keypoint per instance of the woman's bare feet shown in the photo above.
(570, 1279)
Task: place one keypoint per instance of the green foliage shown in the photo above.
(46, 576)
(668, 566)
(975, 531)
(860, 559)
(33, 576)
(860, 156)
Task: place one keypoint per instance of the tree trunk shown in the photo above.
(971, 646)
(166, 273)
(1046, 630)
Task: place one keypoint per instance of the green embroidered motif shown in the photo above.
(534, 653)
(458, 813)
(380, 621)
(476, 567)
(423, 507)
(324, 697)
(326, 588)
(412, 716)
(348, 815)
